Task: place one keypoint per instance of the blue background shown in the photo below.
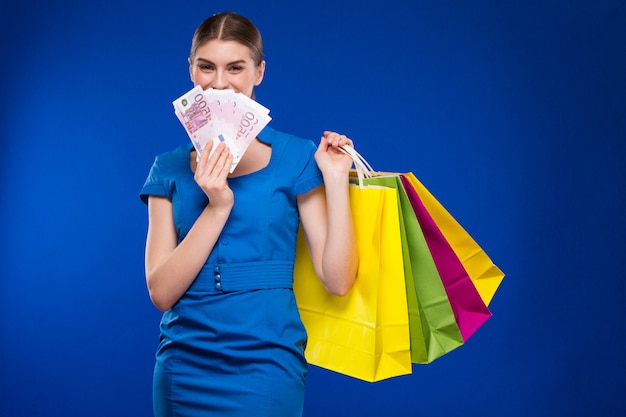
(511, 112)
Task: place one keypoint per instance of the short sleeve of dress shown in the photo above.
(156, 183)
(310, 176)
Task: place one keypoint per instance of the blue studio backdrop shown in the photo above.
(511, 112)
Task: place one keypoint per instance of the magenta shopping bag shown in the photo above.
(469, 309)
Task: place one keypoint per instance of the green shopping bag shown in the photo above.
(433, 326)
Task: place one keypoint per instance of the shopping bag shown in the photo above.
(469, 309)
(364, 334)
(468, 304)
(432, 321)
(485, 275)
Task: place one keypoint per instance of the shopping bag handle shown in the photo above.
(362, 167)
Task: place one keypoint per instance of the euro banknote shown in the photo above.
(221, 115)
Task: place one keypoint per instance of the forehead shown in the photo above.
(219, 50)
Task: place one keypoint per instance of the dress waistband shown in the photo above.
(226, 277)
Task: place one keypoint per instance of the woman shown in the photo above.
(220, 249)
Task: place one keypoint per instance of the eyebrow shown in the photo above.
(241, 61)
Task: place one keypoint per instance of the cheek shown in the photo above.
(243, 86)
(200, 78)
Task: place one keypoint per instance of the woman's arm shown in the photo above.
(172, 267)
(327, 219)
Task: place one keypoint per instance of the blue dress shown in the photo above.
(233, 345)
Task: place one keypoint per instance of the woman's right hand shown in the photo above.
(171, 267)
(212, 172)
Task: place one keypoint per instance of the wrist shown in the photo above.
(218, 210)
(336, 177)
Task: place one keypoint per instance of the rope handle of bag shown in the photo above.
(361, 166)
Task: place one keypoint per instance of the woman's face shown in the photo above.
(225, 65)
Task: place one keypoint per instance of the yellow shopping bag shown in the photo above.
(485, 275)
(364, 334)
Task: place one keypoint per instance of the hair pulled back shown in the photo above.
(229, 26)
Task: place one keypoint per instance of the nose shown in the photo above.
(220, 82)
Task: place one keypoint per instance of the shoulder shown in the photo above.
(277, 138)
(296, 149)
(296, 158)
(175, 156)
(165, 169)
(168, 163)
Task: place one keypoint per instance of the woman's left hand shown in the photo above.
(329, 157)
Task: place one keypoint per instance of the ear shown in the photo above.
(190, 70)
(260, 73)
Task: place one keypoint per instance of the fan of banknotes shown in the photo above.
(221, 115)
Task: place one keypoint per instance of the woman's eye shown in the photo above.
(236, 68)
(205, 67)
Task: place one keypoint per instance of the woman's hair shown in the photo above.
(229, 26)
